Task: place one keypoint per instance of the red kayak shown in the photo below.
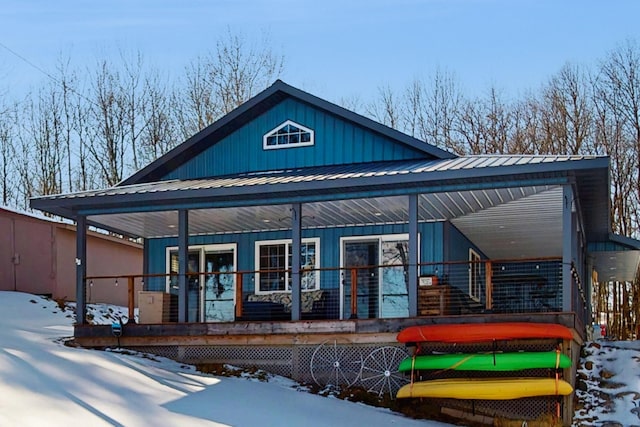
(480, 332)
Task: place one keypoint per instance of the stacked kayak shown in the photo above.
(481, 332)
(502, 388)
(515, 361)
(486, 388)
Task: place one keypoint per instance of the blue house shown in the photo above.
(302, 216)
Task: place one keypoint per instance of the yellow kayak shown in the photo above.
(486, 388)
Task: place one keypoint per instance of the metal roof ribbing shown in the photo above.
(326, 173)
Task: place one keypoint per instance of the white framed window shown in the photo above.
(288, 135)
(475, 275)
(273, 262)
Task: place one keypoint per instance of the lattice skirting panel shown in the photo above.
(371, 366)
(331, 363)
(529, 408)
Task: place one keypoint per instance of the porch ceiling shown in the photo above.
(616, 265)
(504, 222)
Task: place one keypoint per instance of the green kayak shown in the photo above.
(487, 361)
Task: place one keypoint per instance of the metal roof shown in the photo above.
(491, 199)
(461, 168)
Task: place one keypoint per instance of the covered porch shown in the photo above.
(480, 236)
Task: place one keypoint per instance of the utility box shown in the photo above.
(156, 307)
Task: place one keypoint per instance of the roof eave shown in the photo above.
(631, 243)
(69, 207)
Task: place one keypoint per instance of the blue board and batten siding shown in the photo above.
(431, 248)
(458, 245)
(337, 142)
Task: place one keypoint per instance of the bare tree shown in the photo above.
(7, 153)
(68, 98)
(134, 101)
(386, 108)
(243, 70)
(109, 118)
(43, 131)
(617, 129)
(412, 107)
(484, 125)
(617, 89)
(470, 125)
(197, 108)
(440, 107)
(353, 103)
(85, 172)
(158, 135)
(224, 79)
(525, 116)
(498, 125)
(567, 111)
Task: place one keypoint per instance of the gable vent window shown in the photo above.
(288, 135)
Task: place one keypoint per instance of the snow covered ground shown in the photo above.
(608, 385)
(44, 383)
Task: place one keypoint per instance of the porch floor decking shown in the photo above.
(358, 331)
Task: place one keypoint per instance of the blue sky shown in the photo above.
(332, 48)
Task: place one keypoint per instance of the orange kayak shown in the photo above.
(481, 332)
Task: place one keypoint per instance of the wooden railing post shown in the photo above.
(354, 293)
(131, 298)
(488, 273)
(238, 295)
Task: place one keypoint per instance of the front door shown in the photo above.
(210, 284)
(219, 284)
(394, 288)
(193, 282)
(381, 267)
(363, 257)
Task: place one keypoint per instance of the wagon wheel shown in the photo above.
(336, 362)
(380, 373)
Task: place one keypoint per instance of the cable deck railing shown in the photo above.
(359, 292)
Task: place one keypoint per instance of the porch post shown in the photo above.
(183, 264)
(413, 256)
(145, 264)
(296, 244)
(81, 269)
(587, 279)
(567, 247)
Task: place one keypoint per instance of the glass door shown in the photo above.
(219, 284)
(382, 276)
(210, 282)
(193, 282)
(365, 256)
(394, 289)
(193, 286)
